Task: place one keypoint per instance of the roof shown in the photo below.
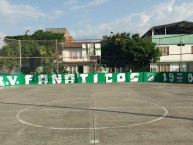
(182, 27)
(57, 30)
(69, 41)
(76, 44)
(73, 45)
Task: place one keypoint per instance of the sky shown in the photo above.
(90, 19)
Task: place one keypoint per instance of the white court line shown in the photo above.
(171, 109)
(17, 116)
(4, 111)
(55, 128)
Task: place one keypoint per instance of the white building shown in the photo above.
(175, 42)
(78, 56)
(82, 57)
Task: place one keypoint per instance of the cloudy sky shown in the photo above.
(90, 19)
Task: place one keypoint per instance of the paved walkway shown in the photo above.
(101, 114)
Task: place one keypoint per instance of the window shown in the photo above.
(164, 50)
(75, 54)
(90, 49)
(190, 67)
(153, 69)
(72, 69)
(164, 67)
(192, 49)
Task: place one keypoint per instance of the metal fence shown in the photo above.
(41, 56)
(28, 56)
(47, 56)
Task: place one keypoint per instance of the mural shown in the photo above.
(164, 77)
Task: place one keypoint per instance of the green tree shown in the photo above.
(129, 51)
(38, 50)
(10, 50)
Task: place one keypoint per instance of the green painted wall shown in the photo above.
(176, 77)
(163, 77)
(172, 39)
(151, 77)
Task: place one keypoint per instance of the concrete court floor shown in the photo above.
(100, 114)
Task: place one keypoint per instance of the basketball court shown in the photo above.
(101, 114)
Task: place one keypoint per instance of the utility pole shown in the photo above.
(180, 44)
(57, 56)
(19, 41)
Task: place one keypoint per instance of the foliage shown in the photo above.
(9, 50)
(130, 51)
(38, 50)
(61, 68)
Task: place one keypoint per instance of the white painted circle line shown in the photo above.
(98, 128)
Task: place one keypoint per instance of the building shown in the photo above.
(78, 56)
(82, 57)
(64, 31)
(175, 42)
